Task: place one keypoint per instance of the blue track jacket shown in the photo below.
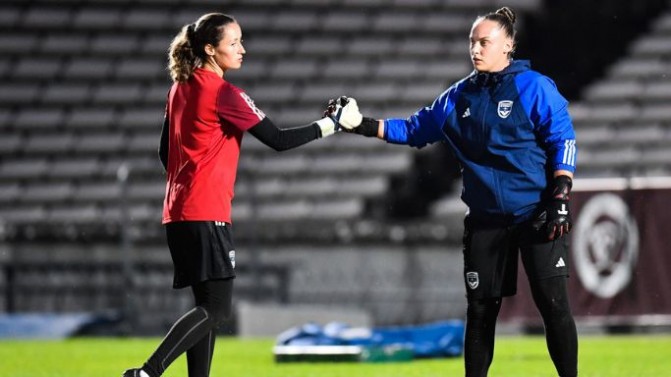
(510, 130)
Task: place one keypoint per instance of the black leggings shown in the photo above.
(194, 332)
(551, 299)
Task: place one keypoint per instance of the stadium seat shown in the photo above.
(294, 21)
(115, 44)
(98, 191)
(49, 143)
(37, 68)
(398, 23)
(253, 20)
(19, 93)
(147, 18)
(40, 192)
(142, 191)
(56, 44)
(88, 69)
(348, 69)
(11, 144)
(18, 43)
(97, 18)
(70, 168)
(74, 214)
(9, 193)
(319, 45)
(23, 214)
(268, 46)
(101, 143)
(294, 69)
(334, 22)
(90, 118)
(66, 94)
(408, 69)
(421, 47)
(39, 119)
(33, 168)
(120, 94)
(371, 46)
(142, 70)
(47, 17)
(638, 68)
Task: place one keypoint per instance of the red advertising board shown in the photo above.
(620, 260)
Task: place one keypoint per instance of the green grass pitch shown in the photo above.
(607, 356)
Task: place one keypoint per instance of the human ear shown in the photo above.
(209, 49)
(507, 46)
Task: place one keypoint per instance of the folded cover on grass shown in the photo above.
(438, 339)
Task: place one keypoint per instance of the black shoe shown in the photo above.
(135, 372)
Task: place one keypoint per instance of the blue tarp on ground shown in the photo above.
(438, 339)
(43, 325)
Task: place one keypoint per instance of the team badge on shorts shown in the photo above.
(472, 279)
(505, 108)
(231, 256)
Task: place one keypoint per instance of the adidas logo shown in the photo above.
(560, 263)
(466, 113)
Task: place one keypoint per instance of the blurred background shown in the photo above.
(345, 227)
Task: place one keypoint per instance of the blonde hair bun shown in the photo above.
(508, 14)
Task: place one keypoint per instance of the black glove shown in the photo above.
(555, 216)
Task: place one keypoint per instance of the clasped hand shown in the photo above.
(344, 111)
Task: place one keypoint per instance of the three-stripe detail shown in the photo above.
(569, 152)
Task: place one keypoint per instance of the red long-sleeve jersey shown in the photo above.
(207, 117)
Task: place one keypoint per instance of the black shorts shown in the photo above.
(491, 258)
(200, 250)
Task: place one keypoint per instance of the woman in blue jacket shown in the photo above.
(511, 131)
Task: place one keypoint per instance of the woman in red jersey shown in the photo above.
(205, 119)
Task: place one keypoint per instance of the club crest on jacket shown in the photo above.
(505, 108)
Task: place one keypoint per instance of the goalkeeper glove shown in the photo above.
(345, 112)
(556, 217)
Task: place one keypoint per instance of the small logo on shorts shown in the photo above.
(472, 279)
(560, 263)
(231, 256)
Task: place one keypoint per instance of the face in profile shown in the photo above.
(229, 52)
(490, 46)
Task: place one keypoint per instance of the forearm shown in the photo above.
(287, 138)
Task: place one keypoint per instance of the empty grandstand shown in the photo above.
(81, 187)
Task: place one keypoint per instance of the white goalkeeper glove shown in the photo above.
(346, 113)
(340, 114)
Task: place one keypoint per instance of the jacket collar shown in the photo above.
(485, 79)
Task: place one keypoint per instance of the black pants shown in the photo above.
(490, 273)
(194, 333)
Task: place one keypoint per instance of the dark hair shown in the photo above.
(506, 18)
(187, 49)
